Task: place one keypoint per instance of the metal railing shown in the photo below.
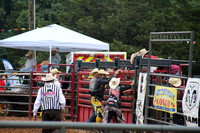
(14, 95)
(167, 37)
(97, 126)
(154, 116)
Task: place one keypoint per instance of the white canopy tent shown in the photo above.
(42, 39)
(54, 36)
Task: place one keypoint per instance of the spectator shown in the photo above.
(93, 73)
(176, 82)
(44, 66)
(56, 75)
(30, 64)
(51, 99)
(174, 68)
(145, 54)
(113, 103)
(55, 58)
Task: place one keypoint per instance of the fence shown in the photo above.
(84, 106)
(20, 93)
(79, 98)
(15, 96)
(164, 37)
(97, 126)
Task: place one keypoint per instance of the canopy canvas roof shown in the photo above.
(54, 36)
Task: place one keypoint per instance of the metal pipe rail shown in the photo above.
(167, 75)
(98, 126)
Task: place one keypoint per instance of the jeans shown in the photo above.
(92, 118)
(44, 68)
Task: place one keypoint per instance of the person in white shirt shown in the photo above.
(56, 75)
(51, 100)
(30, 64)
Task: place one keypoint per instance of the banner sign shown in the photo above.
(190, 102)
(141, 97)
(165, 99)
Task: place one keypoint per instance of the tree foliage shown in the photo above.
(124, 24)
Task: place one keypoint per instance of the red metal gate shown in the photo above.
(84, 106)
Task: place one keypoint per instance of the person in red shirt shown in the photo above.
(2, 83)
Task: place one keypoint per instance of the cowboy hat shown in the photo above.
(29, 53)
(102, 72)
(143, 52)
(94, 71)
(133, 57)
(114, 82)
(54, 71)
(175, 82)
(53, 49)
(49, 77)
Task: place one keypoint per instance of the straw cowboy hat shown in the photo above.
(54, 71)
(133, 57)
(94, 71)
(114, 82)
(49, 77)
(29, 53)
(102, 72)
(143, 52)
(175, 82)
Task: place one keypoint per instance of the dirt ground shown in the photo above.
(30, 130)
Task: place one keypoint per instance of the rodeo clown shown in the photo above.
(113, 103)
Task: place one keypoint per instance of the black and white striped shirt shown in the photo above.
(49, 97)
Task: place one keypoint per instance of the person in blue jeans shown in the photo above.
(91, 88)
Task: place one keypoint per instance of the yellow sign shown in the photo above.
(165, 99)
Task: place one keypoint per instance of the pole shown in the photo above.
(34, 16)
(148, 80)
(31, 14)
(190, 55)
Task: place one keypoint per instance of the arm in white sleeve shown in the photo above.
(37, 103)
(62, 99)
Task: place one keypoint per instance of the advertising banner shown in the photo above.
(190, 102)
(165, 99)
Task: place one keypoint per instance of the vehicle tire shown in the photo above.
(5, 107)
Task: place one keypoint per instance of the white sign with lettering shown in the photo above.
(190, 102)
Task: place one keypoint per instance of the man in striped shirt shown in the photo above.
(51, 100)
